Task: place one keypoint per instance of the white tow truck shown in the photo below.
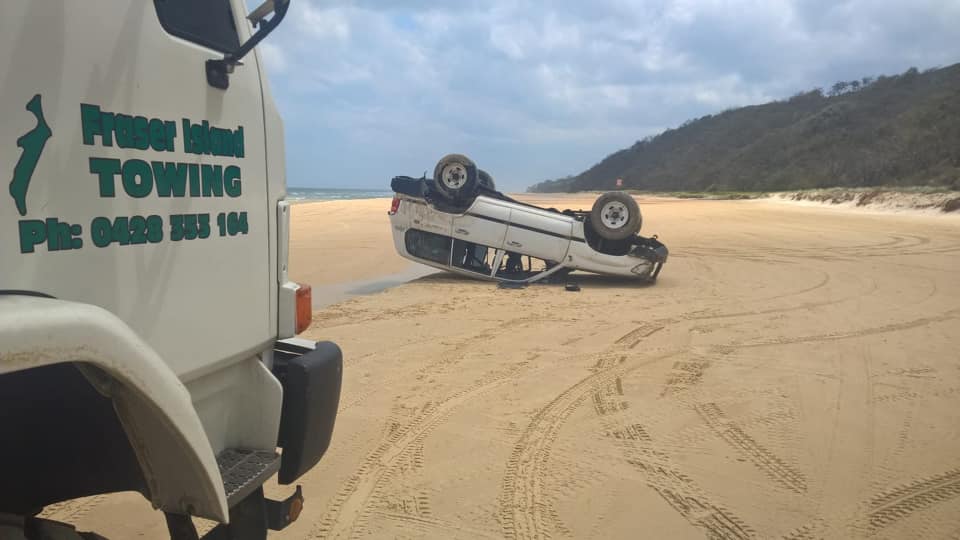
(147, 320)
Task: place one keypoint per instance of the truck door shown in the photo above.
(143, 188)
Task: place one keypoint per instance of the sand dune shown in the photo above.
(794, 373)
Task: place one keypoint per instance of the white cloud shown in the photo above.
(729, 89)
(324, 24)
(505, 39)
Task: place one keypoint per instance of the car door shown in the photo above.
(478, 233)
(484, 223)
(538, 233)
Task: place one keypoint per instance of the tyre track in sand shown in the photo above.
(663, 476)
(899, 503)
(72, 510)
(834, 336)
(635, 336)
(813, 531)
(349, 512)
(896, 245)
(700, 316)
(359, 395)
(525, 511)
(762, 458)
(824, 281)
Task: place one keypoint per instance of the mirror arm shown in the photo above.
(219, 70)
(265, 28)
(258, 15)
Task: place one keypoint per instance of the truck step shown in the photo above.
(244, 470)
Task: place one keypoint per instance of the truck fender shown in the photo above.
(152, 404)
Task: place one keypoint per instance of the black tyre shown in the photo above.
(485, 180)
(456, 177)
(615, 216)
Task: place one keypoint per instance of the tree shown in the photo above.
(854, 86)
(816, 93)
(866, 81)
(838, 88)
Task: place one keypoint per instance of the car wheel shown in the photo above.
(485, 180)
(456, 177)
(615, 216)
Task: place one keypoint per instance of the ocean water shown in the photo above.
(335, 194)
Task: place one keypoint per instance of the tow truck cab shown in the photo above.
(145, 307)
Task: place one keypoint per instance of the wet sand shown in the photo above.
(337, 242)
(794, 373)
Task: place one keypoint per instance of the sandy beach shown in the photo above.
(793, 374)
(336, 242)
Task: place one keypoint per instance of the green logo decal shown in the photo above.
(32, 144)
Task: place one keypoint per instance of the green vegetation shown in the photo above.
(901, 130)
(913, 197)
(553, 186)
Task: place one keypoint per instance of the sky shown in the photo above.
(537, 89)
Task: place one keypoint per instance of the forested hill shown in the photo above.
(897, 130)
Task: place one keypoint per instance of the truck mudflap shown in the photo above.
(311, 375)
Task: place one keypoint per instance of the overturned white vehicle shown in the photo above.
(459, 222)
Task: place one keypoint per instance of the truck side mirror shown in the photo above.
(219, 70)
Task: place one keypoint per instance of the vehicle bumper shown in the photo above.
(414, 187)
(655, 255)
(311, 375)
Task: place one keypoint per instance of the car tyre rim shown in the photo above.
(454, 176)
(614, 215)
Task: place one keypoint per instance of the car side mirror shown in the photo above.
(219, 70)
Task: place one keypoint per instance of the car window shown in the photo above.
(473, 257)
(208, 22)
(516, 266)
(428, 246)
